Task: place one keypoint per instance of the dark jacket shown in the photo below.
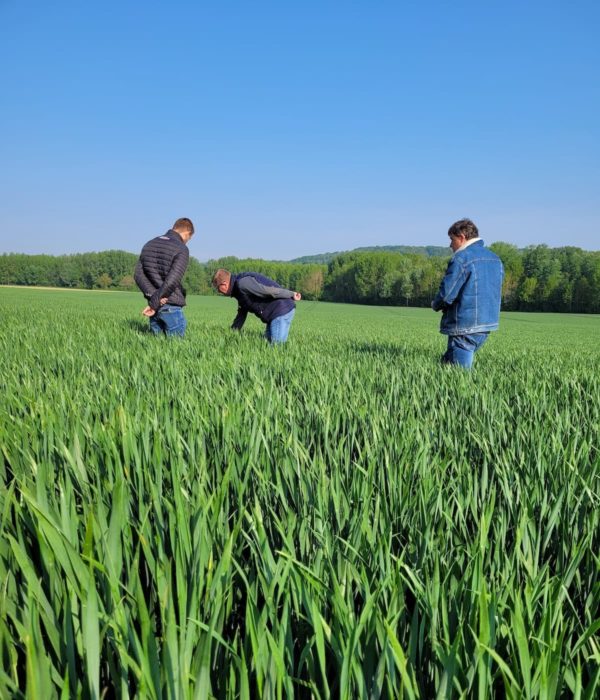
(160, 268)
(470, 292)
(261, 296)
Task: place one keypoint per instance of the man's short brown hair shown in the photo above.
(184, 224)
(221, 275)
(464, 227)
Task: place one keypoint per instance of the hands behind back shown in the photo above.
(149, 311)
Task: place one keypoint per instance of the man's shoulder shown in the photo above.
(171, 239)
(243, 280)
(165, 241)
(257, 277)
(263, 279)
(475, 252)
(157, 240)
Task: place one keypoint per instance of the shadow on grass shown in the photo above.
(141, 327)
(402, 353)
(390, 350)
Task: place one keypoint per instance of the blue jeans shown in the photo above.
(461, 349)
(169, 319)
(278, 329)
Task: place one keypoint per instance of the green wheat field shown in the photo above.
(341, 517)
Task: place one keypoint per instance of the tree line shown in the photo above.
(430, 250)
(537, 278)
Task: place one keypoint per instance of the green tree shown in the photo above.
(311, 284)
(127, 282)
(512, 260)
(527, 290)
(103, 281)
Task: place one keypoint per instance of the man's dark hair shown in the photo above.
(184, 224)
(464, 227)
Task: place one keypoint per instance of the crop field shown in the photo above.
(341, 517)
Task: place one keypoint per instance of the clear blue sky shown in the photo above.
(290, 128)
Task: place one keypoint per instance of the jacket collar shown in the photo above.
(466, 244)
(232, 283)
(173, 234)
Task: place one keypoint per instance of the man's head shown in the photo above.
(460, 232)
(221, 281)
(185, 228)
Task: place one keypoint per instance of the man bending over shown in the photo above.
(263, 297)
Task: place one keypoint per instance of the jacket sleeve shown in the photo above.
(454, 279)
(240, 319)
(146, 287)
(253, 286)
(173, 278)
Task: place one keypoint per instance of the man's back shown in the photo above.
(161, 266)
(469, 294)
(158, 273)
(474, 283)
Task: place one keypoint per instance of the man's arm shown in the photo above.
(174, 277)
(454, 279)
(146, 287)
(240, 319)
(253, 286)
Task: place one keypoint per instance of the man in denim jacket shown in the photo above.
(469, 295)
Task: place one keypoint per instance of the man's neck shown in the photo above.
(181, 236)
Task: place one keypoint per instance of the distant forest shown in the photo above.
(537, 278)
(431, 250)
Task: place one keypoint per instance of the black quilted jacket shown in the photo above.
(160, 268)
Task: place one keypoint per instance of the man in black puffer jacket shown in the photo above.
(158, 273)
(261, 296)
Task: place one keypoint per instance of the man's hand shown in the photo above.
(297, 296)
(149, 311)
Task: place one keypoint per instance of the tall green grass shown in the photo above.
(341, 517)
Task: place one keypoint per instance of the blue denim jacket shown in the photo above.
(470, 292)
